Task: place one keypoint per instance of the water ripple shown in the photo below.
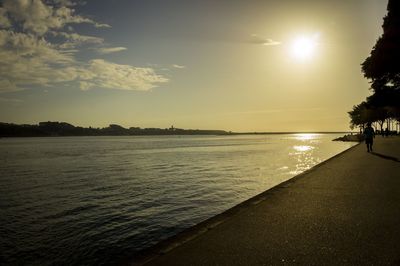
(96, 200)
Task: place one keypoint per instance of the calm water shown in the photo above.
(95, 200)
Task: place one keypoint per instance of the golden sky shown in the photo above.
(234, 65)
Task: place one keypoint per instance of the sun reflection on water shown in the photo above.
(304, 154)
(303, 148)
(305, 136)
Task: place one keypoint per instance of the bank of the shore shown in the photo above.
(343, 211)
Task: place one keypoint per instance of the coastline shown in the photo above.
(165, 246)
(344, 211)
(350, 138)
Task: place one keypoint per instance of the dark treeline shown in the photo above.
(45, 129)
(382, 68)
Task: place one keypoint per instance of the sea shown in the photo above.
(100, 200)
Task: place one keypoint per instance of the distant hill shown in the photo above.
(47, 129)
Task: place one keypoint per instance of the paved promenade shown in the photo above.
(345, 211)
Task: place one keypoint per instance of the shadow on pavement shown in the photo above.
(386, 157)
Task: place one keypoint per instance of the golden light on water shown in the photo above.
(305, 136)
(303, 148)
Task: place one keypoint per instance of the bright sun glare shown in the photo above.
(304, 47)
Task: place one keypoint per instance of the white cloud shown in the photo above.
(257, 39)
(109, 50)
(36, 62)
(178, 66)
(101, 25)
(14, 45)
(270, 42)
(78, 38)
(39, 49)
(103, 74)
(37, 17)
(34, 16)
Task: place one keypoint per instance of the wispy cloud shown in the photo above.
(109, 50)
(38, 47)
(101, 25)
(257, 39)
(178, 66)
(101, 73)
(77, 39)
(10, 100)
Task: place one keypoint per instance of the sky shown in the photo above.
(243, 66)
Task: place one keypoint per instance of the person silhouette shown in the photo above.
(369, 137)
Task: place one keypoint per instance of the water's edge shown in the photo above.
(164, 246)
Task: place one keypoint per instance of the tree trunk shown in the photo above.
(381, 125)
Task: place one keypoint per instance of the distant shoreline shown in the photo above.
(62, 129)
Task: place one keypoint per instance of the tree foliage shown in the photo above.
(382, 68)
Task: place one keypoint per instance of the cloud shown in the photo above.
(178, 66)
(32, 61)
(21, 46)
(271, 42)
(37, 17)
(109, 50)
(101, 25)
(27, 60)
(11, 100)
(78, 38)
(7, 86)
(64, 2)
(38, 48)
(103, 74)
(257, 39)
(4, 21)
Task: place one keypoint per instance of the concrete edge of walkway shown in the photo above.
(193, 232)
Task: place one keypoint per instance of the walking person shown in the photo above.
(369, 136)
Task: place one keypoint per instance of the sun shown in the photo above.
(304, 47)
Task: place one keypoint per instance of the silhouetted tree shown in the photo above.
(382, 67)
(386, 101)
(360, 115)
